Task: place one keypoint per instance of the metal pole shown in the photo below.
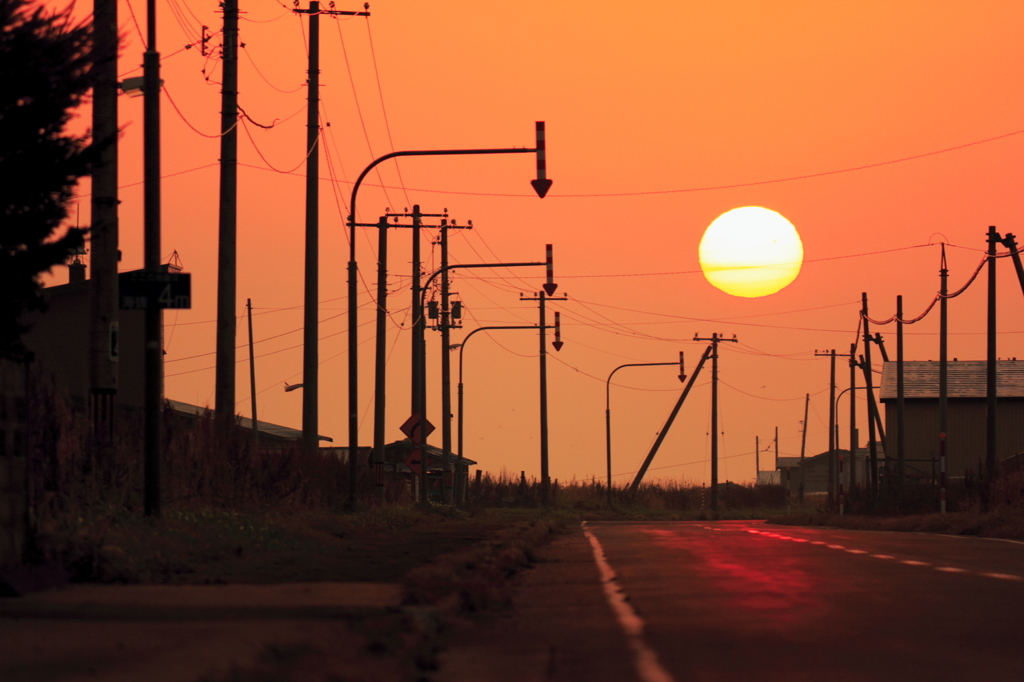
(757, 458)
(714, 425)
(901, 437)
(418, 338)
(943, 378)
(252, 378)
(832, 444)
(103, 349)
(545, 479)
(310, 340)
(990, 384)
(776, 448)
(224, 396)
(380, 355)
(608, 412)
(803, 448)
(462, 347)
(154, 362)
(446, 369)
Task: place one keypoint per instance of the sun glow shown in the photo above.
(751, 252)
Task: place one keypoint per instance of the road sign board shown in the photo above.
(140, 289)
(414, 461)
(416, 428)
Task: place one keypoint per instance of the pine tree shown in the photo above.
(44, 75)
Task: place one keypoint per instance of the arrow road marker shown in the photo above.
(541, 185)
(550, 286)
(557, 343)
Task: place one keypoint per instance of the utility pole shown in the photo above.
(901, 438)
(943, 377)
(990, 392)
(803, 448)
(103, 330)
(153, 368)
(776, 448)
(715, 339)
(448, 316)
(252, 378)
(310, 341)
(832, 444)
(757, 459)
(868, 386)
(542, 297)
(853, 415)
(224, 396)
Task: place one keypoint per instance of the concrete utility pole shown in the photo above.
(803, 448)
(757, 459)
(715, 340)
(154, 362)
(448, 316)
(901, 437)
(868, 386)
(853, 415)
(542, 297)
(991, 404)
(943, 377)
(224, 382)
(252, 378)
(103, 330)
(310, 340)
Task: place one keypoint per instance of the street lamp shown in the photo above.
(608, 408)
(541, 185)
(461, 347)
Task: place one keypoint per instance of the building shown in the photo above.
(815, 469)
(965, 438)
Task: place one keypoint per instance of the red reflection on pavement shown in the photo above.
(752, 570)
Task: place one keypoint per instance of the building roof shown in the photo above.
(966, 379)
(275, 430)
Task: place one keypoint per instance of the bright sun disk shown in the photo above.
(751, 252)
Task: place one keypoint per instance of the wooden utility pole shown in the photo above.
(224, 382)
(715, 339)
(252, 378)
(803, 448)
(103, 237)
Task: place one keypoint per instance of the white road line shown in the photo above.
(647, 664)
(882, 556)
(836, 547)
(857, 551)
(950, 569)
(1002, 576)
(911, 562)
(817, 542)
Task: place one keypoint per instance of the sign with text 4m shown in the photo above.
(140, 289)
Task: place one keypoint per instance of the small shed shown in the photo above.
(968, 410)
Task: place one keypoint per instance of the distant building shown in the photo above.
(965, 439)
(815, 469)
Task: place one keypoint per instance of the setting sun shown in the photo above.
(751, 252)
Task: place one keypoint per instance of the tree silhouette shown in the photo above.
(45, 73)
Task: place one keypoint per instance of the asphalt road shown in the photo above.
(747, 601)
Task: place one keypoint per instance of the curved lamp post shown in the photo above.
(461, 347)
(541, 185)
(608, 408)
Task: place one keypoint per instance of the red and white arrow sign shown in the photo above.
(541, 185)
(557, 343)
(682, 367)
(550, 286)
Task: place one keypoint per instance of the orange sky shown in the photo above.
(645, 106)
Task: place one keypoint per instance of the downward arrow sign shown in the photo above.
(557, 343)
(541, 185)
